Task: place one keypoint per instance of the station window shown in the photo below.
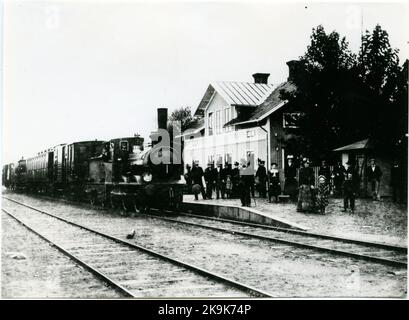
(291, 120)
(227, 118)
(218, 121)
(210, 123)
(210, 159)
(228, 158)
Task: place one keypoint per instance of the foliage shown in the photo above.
(184, 115)
(345, 97)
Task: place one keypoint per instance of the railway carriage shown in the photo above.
(19, 179)
(62, 169)
(37, 178)
(118, 172)
(71, 162)
(9, 176)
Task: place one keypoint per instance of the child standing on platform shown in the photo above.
(349, 193)
(322, 194)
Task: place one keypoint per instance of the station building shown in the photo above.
(239, 119)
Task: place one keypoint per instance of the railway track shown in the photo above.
(387, 254)
(131, 269)
(370, 251)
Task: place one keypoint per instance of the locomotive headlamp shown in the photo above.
(147, 177)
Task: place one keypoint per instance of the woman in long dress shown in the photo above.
(306, 185)
(290, 174)
(274, 187)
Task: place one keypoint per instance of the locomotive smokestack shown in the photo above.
(162, 118)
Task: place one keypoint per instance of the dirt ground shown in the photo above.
(31, 268)
(380, 221)
(284, 271)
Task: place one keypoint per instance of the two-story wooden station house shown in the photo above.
(240, 118)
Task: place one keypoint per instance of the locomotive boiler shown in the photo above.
(127, 175)
(118, 172)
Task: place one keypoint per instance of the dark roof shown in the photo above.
(270, 105)
(363, 144)
(234, 121)
(195, 127)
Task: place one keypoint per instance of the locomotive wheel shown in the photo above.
(112, 203)
(141, 208)
(136, 208)
(93, 198)
(123, 208)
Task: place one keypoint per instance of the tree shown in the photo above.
(378, 62)
(325, 91)
(345, 97)
(385, 81)
(184, 115)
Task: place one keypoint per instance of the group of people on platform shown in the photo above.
(310, 195)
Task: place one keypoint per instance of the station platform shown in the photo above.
(231, 209)
(380, 221)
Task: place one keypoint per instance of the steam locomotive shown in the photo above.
(116, 173)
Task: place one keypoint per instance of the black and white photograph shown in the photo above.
(223, 150)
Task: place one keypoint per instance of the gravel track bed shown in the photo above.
(328, 243)
(135, 270)
(42, 271)
(382, 221)
(281, 270)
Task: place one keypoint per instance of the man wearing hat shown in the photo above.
(197, 174)
(374, 174)
(349, 192)
(350, 168)
(261, 176)
(245, 186)
(290, 174)
(235, 178)
(220, 180)
(209, 179)
(228, 184)
(339, 175)
(305, 201)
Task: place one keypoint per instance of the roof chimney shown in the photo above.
(296, 69)
(261, 77)
(162, 118)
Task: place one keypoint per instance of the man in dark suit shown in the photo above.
(351, 168)
(220, 180)
(209, 179)
(235, 179)
(397, 177)
(261, 176)
(245, 186)
(290, 174)
(197, 174)
(374, 174)
(339, 176)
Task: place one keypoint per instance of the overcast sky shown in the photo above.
(82, 70)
